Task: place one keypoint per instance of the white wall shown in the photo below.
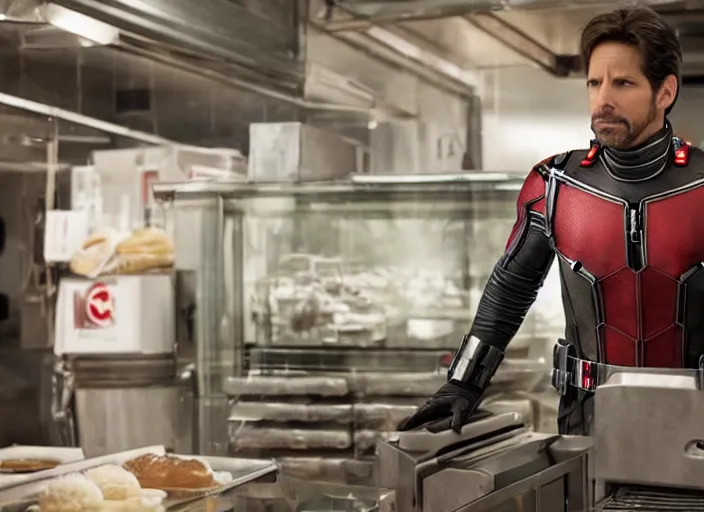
(686, 116)
(529, 115)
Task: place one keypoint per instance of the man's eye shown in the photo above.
(592, 83)
(623, 83)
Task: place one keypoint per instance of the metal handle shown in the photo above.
(63, 387)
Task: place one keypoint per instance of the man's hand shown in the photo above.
(453, 399)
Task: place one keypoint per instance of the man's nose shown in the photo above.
(605, 96)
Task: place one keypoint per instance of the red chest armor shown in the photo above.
(638, 260)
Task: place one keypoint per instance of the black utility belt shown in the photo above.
(569, 370)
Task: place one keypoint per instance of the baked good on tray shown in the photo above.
(107, 488)
(71, 493)
(171, 472)
(114, 482)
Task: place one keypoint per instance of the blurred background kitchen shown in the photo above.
(328, 183)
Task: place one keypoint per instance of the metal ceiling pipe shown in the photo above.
(406, 10)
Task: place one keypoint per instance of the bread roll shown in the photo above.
(127, 264)
(115, 482)
(95, 239)
(84, 265)
(71, 493)
(87, 261)
(147, 240)
(170, 472)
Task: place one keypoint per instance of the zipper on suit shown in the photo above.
(635, 238)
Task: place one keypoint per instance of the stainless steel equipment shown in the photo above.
(646, 453)
(124, 402)
(371, 280)
(297, 152)
(495, 464)
(649, 441)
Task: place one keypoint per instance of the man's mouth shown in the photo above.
(607, 122)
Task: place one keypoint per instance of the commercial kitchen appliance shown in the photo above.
(119, 381)
(496, 463)
(116, 381)
(325, 312)
(646, 454)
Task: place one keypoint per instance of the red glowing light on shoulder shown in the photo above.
(682, 155)
(589, 159)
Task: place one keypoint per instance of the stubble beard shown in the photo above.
(626, 136)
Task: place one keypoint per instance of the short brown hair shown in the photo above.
(644, 29)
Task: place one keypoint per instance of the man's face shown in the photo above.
(624, 109)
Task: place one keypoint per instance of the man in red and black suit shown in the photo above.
(623, 219)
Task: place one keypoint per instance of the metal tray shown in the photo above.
(243, 471)
(14, 498)
(22, 486)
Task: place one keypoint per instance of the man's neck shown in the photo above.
(648, 133)
(643, 161)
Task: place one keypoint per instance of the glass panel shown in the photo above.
(379, 272)
(213, 353)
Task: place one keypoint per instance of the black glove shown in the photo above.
(453, 399)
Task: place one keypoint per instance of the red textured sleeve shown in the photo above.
(530, 198)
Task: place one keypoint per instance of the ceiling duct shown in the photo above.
(63, 28)
(21, 11)
(403, 10)
(53, 25)
(218, 30)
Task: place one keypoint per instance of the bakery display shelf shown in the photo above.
(21, 492)
(519, 374)
(393, 188)
(343, 359)
(22, 486)
(370, 283)
(347, 263)
(400, 358)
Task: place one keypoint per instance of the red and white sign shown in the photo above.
(100, 305)
(120, 314)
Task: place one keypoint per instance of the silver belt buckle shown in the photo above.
(561, 374)
(568, 370)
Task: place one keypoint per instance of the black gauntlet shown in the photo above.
(470, 373)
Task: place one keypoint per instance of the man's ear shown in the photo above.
(668, 92)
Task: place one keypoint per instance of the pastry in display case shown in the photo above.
(365, 267)
(322, 300)
(109, 252)
(373, 273)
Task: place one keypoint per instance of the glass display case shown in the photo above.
(368, 283)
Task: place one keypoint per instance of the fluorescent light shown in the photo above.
(81, 25)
